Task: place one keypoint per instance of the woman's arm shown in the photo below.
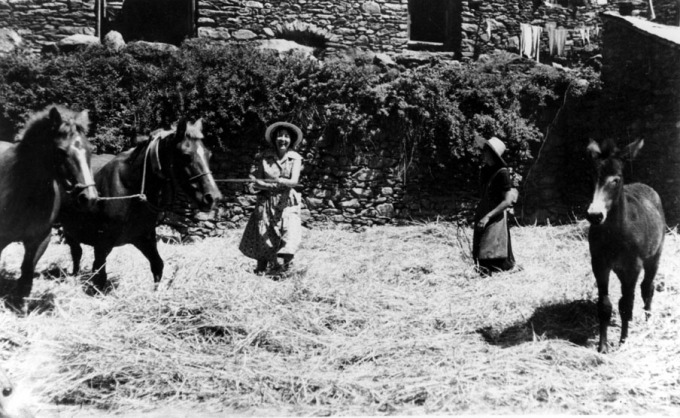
(294, 175)
(508, 201)
(256, 173)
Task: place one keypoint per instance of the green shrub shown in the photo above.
(432, 113)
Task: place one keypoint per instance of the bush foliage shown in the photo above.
(432, 112)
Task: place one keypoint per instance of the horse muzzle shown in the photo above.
(208, 201)
(596, 216)
(86, 196)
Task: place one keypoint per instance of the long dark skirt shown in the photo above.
(491, 265)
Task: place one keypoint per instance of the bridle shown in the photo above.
(198, 176)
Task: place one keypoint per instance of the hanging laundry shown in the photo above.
(550, 28)
(530, 40)
(536, 39)
(560, 40)
(525, 40)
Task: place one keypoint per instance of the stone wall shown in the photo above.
(641, 73)
(667, 12)
(504, 18)
(377, 25)
(342, 186)
(41, 22)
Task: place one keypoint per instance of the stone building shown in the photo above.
(641, 99)
(466, 27)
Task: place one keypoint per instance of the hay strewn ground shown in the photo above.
(390, 321)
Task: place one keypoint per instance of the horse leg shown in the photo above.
(99, 266)
(33, 250)
(628, 279)
(604, 306)
(76, 254)
(647, 286)
(147, 245)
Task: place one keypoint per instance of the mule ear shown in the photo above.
(55, 118)
(594, 149)
(199, 124)
(631, 150)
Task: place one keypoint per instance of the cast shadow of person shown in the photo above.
(575, 321)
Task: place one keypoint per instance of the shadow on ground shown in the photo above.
(574, 321)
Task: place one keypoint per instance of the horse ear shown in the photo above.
(83, 119)
(199, 124)
(594, 149)
(632, 150)
(180, 129)
(55, 118)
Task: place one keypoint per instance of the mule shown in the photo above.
(135, 186)
(627, 226)
(51, 159)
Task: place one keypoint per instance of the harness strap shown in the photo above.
(197, 176)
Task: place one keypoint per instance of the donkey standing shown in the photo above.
(627, 227)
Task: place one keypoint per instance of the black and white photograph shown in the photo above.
(293, 208)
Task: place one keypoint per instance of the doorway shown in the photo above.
(167, 21)
(427, 21)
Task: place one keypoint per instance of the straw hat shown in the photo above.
(294, 131)
(497, 146)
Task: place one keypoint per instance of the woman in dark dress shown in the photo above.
(491, 244)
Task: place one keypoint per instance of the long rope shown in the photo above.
(141, 196)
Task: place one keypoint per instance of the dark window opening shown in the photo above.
(168, 21)
(427, 20)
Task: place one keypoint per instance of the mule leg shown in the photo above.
(647, 286)
(99, 266)
(76, 254)
(628, 280)
(147, 245)
(604, 305)
(33, 250)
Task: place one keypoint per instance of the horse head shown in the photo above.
(609, 161)
(73, 152)
(190, 165)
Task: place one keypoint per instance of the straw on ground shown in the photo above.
(393, 320)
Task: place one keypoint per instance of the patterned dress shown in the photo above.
(274, 228)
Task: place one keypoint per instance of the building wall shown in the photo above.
(380, 25)
(641, 73)
(41, 22)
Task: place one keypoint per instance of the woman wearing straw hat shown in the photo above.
(274, 231)
(491, 245)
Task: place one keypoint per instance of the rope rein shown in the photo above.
(141, 195)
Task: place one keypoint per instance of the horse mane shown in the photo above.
(40, 123)
(141, 142)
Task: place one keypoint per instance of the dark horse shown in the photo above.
(53, 157)
(134, 186)
(627, 227)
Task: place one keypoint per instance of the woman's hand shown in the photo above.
(481, 224)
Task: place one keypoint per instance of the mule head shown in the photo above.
(609, 162)
(191, 167)
(73, 155)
